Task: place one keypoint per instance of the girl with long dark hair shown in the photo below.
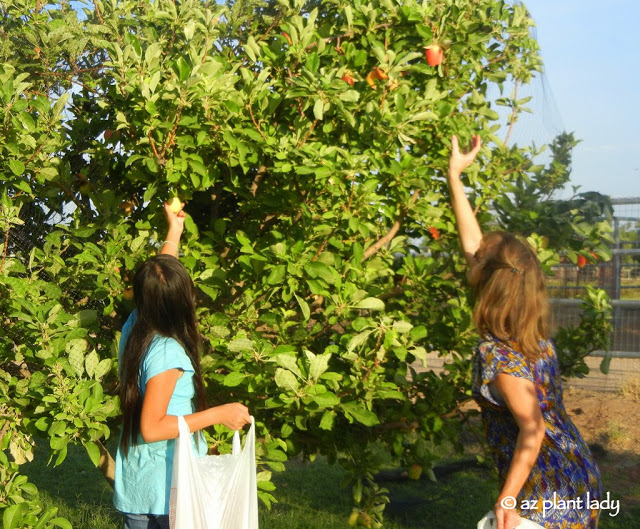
(160, 379)
(542, 460)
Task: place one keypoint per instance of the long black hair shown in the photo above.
(164, 296)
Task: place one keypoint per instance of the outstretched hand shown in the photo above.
(460, 160)
(175, 221)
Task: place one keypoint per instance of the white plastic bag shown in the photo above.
(214, 492)
(489, 522)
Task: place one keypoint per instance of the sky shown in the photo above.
(591, 51)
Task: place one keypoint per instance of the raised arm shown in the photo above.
(175, 223)
(468, 227)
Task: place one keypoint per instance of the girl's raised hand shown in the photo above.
(175, 220)
(460, 160)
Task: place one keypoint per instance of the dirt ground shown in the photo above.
(610, 423)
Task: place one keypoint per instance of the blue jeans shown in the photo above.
(146, 521)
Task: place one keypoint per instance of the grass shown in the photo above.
(310, 497)
(631, 388)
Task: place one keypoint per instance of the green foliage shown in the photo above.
(18, 503)
(309, 140)
(579, 225)
(593, 333)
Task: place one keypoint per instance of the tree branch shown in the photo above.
(106, 464)
(514, 114)
(95, 4)
(262, 171)
(375, 247)
(256, 123)
(6, 245)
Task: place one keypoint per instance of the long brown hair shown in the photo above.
(511, 293)
(165, 304)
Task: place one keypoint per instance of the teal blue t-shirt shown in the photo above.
(143, 478)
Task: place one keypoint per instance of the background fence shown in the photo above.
(620, 278)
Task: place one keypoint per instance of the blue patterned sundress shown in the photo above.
(565, 466)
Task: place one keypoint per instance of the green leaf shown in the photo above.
(326, 423)
(251, 48)
(370, 304)
(189, 29)
(93, 451)
(17, 167)
(360, 413)
(318, 364)
(184, 69)
(402, 327)
(103, 367)
(12, 516)
(76, 349)
(326, 400)
(304, 307)
(286, 380)
(349, 96)
(91, 363)
(240, 344)
(321, 270)
(60, 104)
(277, 275)
(288, 362)
(605, 363)
(318, 109)
(358, 340)
(63, 523)
(234, 379)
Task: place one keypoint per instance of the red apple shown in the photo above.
(374, 75)
(286, 36)
(582, 260)
(433, 231)
(348, 79)
(415, 471)
(380, 74)
(434, 55)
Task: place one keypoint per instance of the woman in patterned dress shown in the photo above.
(547, 473)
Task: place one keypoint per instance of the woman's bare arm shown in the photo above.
(175, 223)
(520, 397)
(156, 425)
(468, 228)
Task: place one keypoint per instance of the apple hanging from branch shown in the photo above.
(434, 54)
(348, 79)
(375, 75)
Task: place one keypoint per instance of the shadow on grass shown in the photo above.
(76, 488)
(311, 495)
(620, 472)
(456, 501)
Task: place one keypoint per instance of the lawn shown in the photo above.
(310, 497)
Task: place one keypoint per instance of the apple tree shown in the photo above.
(310, 140)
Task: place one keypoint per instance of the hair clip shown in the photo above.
(515, 270)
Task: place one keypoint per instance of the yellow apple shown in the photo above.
(175, 204)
